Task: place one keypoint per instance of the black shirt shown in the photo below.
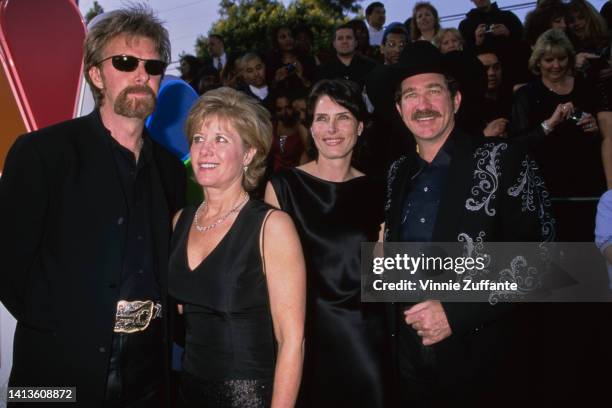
(138, 276)
(356, 71)
(422, 200)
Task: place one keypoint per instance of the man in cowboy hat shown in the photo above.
(443, 350)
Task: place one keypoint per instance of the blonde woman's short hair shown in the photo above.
(437, 40)
(246, 115)
(552, 41)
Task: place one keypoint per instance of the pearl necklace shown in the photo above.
(202, 206)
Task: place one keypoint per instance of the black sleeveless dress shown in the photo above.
(345, 357)
(230, 347)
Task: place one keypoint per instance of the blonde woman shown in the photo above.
(555, 115)
(449, 39)
(236, 266)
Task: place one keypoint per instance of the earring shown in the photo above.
(245, 168)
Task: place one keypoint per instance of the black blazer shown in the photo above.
(494, 215)
(63, 222)
(268, 102)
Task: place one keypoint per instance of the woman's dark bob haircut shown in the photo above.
(345, 93)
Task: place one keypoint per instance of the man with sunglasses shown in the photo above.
(85, 210)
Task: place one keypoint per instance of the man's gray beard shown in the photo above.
(135, 107)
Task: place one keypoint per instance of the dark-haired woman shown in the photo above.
(547, 14)
(425, 22)
(286, 68)
(589, 31)
(336, 208)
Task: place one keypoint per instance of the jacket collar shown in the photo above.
(458, 184)
(455, 191)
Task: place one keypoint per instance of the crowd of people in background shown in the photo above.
(542, 87)
(512, 77)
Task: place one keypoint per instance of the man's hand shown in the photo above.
(582, 57)
(500, 30)
(281, 74)
(496, 128)
(479, 34)
(429, 320)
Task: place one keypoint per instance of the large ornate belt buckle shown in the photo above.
(135, 316)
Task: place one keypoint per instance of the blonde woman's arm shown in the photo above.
(286, 278)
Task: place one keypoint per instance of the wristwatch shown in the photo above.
(547, 129)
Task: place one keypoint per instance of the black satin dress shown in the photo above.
(345, 347)
(230, 348)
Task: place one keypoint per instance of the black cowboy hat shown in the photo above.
(419, 57)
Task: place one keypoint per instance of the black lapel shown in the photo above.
(96, 152)
(451, 209)
(400, 183)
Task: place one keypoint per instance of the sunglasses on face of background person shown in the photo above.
(129, 63)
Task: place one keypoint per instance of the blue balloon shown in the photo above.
(166, 124)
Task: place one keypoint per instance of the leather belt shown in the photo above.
(135, 316)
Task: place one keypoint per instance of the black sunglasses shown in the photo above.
(129, 63)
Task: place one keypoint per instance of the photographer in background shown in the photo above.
(488, 23)
(554, 114)
(287, 68)
(500, 30)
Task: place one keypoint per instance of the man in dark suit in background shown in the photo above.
(346, 64)
(216, 49)
(85, 210)
(452, 353)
